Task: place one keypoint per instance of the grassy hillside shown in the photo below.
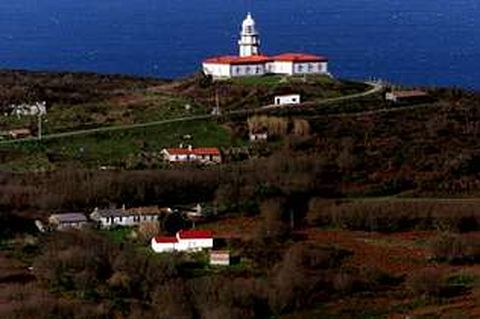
(132, 148)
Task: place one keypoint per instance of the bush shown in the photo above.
(392, 216)
(430, 282)
(456, 249)
(298, 278)
(147, 230)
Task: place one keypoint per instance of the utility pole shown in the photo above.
(39, 126)
(216, 109)
(292, 219)
(217, 101)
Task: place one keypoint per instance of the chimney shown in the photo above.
(123, 207)
(190, 147)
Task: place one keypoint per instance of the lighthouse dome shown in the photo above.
(248, 25)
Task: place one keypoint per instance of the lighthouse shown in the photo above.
(250, 62)
(249, 42)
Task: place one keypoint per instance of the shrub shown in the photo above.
(297, 279)
(147, 230)
(430, 282)
(390, 216)
(456, 249)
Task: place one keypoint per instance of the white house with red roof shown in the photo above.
(250, 62)
(202, 155)
(184, 240)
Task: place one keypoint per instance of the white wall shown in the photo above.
(217, 70)
(194, 244)
(182, 158)
(287, 99)
(162, 247)
(194, 158)
(276, 67)
(310, 68)
(182, 245)
(324, 67)
(247, 70)
(282, 67)
(248, 45)
(127, 220)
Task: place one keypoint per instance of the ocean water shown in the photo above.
(428, 42)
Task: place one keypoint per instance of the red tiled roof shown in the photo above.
(260, 59)
(195, 234)
(206, 151)
(194, 151)
(165, 240)
(412, 93)
(299, 57)
(235, 60)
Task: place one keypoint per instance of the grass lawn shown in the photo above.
(274, 80)
(266, 80)
(118, 235)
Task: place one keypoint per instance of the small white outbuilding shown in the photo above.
(287, 99)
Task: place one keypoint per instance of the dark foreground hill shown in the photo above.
(361, 215)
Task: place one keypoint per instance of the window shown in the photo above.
(310, 67)
(300, 68)
(247, 69)
(257, 70)
(249, 29)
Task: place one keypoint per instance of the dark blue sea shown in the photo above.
(426, 42)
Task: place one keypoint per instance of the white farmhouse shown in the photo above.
(203, 155)
(67, 221)
(287, 99)
(250, 62)
(37, 109)
(184, 240)
(108, 218)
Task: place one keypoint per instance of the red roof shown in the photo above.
(260, 59)
(299, 57)
(231, 59)
(164, 240)
(195, 151)
(195, 234)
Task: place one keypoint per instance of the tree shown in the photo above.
(272, 225)
(147, 230)
(301, 127)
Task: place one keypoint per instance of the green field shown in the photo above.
(128, 148)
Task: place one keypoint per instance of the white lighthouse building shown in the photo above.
(250, 62)
(249, 42)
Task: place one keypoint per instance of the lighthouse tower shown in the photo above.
(249, 42)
